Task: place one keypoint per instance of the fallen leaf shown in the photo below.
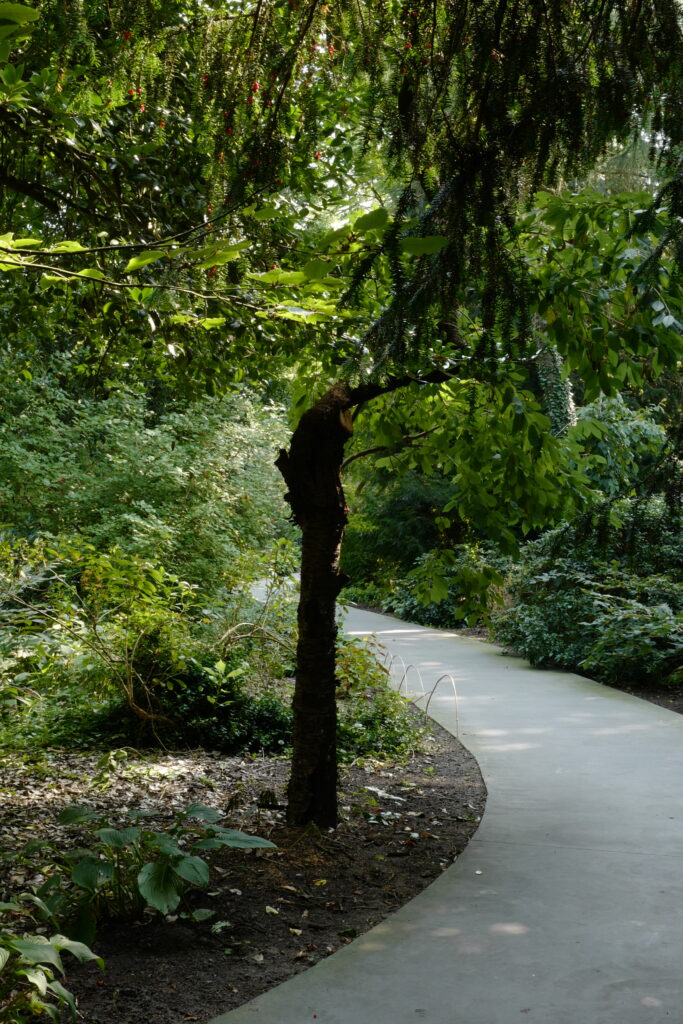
(272, 910)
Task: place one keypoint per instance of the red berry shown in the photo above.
(162, 124)
(131, 92)
(408, 46)
(256, 87)
(142, 108)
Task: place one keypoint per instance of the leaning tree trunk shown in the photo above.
(312, 472)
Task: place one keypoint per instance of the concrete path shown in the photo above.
(567, 905)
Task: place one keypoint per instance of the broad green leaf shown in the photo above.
(68, 246)
(91, 872)
(203, 813)
(92, 272)
(77, 949)
(217, 255)
(14, 32)
(63, 994)
(142, 260)
(209, 844)
(17, 13)
(159, 885)
(375, 219)
(36, 951)
(118, 837)
(36, 977)
(193, 870)
(423, 246)
(4, 956)
(209, 323)
(165, 844)
(75, 814)
(291, 277)
(316, 269)
(240, 840)
(265, 213)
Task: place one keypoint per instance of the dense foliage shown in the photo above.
(604, 597)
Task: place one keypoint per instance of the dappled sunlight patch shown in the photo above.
(509, 928)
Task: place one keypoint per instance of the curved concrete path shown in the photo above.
(567, 905)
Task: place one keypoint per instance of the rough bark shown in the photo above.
(312, 472)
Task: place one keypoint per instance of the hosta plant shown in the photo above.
(31, 963)
(120, 871)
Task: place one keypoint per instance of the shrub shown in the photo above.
(372, 717)
(446, 587)
(633, 642)
(597, 617)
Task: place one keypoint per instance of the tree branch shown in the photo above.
(405, 442)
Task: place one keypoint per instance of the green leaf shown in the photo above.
(36, 951)
(217, 255)
(75, 815)
(63, 995)
(166, 845)
(68, 246)
(423, 246)
(203, 813)
(141, 261)
(209, 323)
(91, 272)
(4, 956)
(37, 978)
(91, 872)
(159, 885)
(265, 213)
(17, 13)
(280, 277)
(375, 219)
(209, 844)
(240, 840)
(315, 269)
(193, 870)
(118, 837)
(77, 949)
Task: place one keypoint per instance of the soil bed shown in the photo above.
(275, 912)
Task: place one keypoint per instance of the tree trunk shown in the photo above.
(312, 472)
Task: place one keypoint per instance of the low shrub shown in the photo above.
(597, 618)
(372, 717)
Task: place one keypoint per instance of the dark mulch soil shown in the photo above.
(666, 696)
(276, 912)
